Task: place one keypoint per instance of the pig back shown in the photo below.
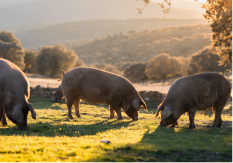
(201, 91)
(12, 79)
(95, 85)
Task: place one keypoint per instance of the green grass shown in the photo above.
(54, 137)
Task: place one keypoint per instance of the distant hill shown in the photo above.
(141, 46)
(48, 22)
(70, 32)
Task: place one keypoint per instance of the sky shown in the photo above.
(184, 4)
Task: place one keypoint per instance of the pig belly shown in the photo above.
(95, 99)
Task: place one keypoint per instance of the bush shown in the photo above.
(206, 59)
(123, 65)
(11, 49)
(136, 72)
(163, 66)
(30, 61)
(108, 67)
(51, 60)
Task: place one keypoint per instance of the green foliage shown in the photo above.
(163, 66)
(219, 14)
(108, 67)
(51, 60)
(206, 60)
(54, 137)
(136, 72)
(76, 31)
(123, 65)
(142, 46)
(11, 49)
(30, 61)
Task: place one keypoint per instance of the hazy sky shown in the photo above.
(184, 4)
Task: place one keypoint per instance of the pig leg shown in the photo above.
(76, 106)
(1, 112)
(111, 111)
(69, 104)
(4, 119)
(2, 116)
(192, 113)
(117, 108)
(218, 119)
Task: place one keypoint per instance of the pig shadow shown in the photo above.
(71, 130)
(183, 143)
(171, 145)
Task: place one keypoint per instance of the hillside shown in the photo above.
(141, 46)
(70, 32)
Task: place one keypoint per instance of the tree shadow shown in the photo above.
(183, 144)
(176, 144)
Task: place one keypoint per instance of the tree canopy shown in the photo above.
(219, 14)
(51, 60)
(11, 49)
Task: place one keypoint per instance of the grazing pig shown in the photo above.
(97, 86)
(192, 93)
(14, 95)
(58, 95)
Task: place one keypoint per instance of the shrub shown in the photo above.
(206, 59)
(30, 61)
(136, 72)
(163, 66)
(108, 67)
(123, 65)
(51, 60)
(11, 49)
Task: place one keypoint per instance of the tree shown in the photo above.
(108, 67)
(30, 61)
(162, 5)
(206, 59)
(51, 60)
(219, 14)
(136, 72)
(11, 49)
(163, 66)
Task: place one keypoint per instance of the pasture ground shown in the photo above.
(54, 137)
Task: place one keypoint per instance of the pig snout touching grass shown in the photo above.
(97, 86)
(192, 93)
(14, 95)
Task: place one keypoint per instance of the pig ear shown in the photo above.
(32, 111)
(143, 104)
(136, 105)
(166, 113)
(17, 113)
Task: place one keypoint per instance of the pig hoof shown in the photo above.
(78, 116)
(70, 116)
(191, 127)
(216, 126)
(119, 118)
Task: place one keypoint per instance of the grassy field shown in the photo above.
(54, 137)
